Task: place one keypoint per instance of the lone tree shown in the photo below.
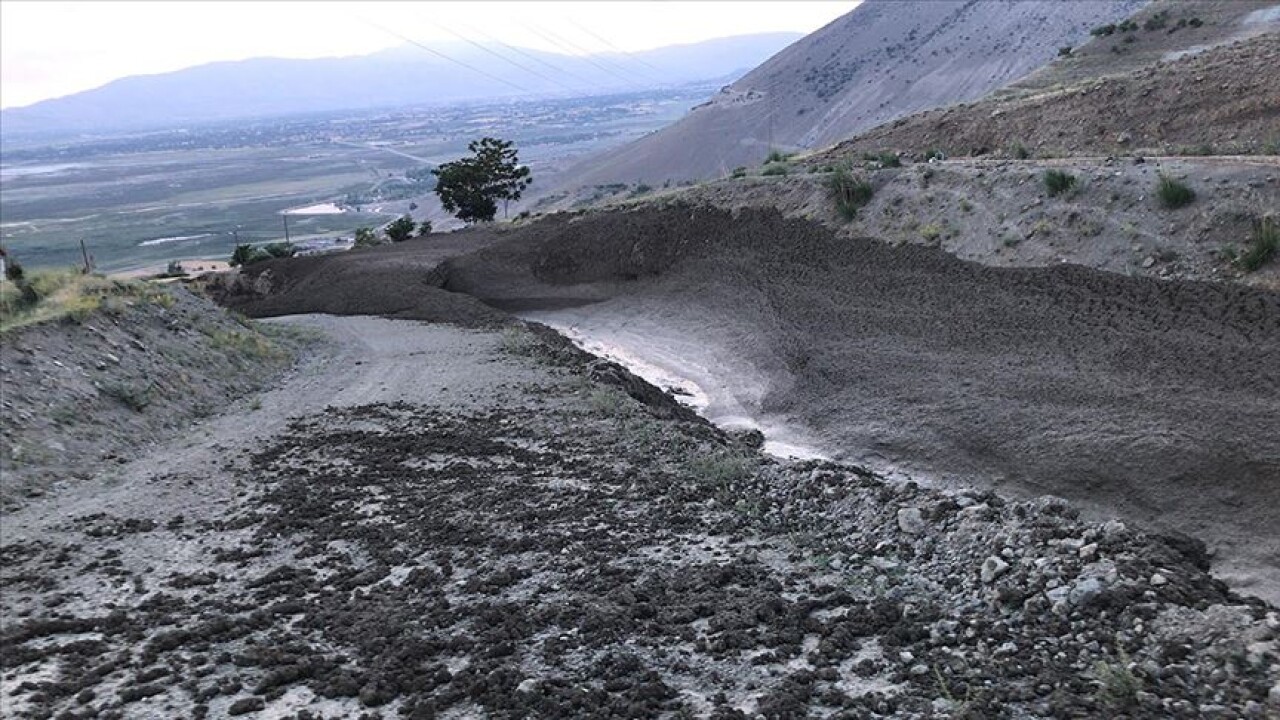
(472, 186)
(401, 229)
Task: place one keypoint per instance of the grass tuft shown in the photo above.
(1173, 194)
(1058, 182)
(1263, 246)
(849, 192)
(67, 294)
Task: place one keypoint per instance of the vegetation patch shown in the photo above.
(777, 168)
(1058, 182)
(1266, 239)
(849, 192)
(66, 294)
(1173, 194)
(884, 158)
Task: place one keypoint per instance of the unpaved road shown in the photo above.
(426, 521)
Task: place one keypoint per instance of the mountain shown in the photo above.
(406, 75)
(883, 60)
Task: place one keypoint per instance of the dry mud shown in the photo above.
(428, 522)
(1155, 401)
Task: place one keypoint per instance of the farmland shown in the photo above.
(143, 200)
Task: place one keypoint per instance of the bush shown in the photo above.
(777, 168)
(849, 192)
(1064, 51)
(776, 156)
(1019, 151)
(739, 172)
(886, 158)
(1266, 239)
(400, 229)
(1173, 194)
(1058, 182)
(1103, 30)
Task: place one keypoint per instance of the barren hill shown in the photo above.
(882, 61)
(1217, 101)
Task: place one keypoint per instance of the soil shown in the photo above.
(1225, 99)
(428, 521)
(81, 395)
(1147, 399)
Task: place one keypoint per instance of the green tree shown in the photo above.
(471, 187)
(246, 254)
(400, 229)
(365, 237)
(424, 229)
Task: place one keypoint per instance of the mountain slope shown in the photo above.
(881, 61)
(400, 76)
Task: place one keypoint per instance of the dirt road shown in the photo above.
(426, 521)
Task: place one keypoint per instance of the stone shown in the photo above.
(911, 521)
(1085, 591)
(992, 568)
(1159, 579)
(527, 685)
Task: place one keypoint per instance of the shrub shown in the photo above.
(931, 232)
(1058, 182)
(1102, 30)
(1117, 685)
(777, 168)
(739, 172)
(1019, 151)
(777, 156)
(1173, 194)
(934, 154)
(1266, 239)
(886, 158)
(1064, 51)
(849, 192)
(721, 469)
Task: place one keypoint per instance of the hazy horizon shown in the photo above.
(54, 49)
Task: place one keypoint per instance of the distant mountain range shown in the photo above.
(405, 75)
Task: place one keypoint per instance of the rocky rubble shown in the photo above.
(577, 554)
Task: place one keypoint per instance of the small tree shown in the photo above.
(246, 254)
(365, 237)
(424, 229)
(472, 186)
(400, 229)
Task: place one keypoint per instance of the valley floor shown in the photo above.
(427, 521)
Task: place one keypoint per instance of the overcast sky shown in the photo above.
(50, 49)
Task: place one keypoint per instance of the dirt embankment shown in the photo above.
(435, 522)
(80, 395)
(1225, 100)
(1154, 400)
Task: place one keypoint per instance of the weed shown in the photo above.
(931, 232)
(255, 404)
(67, 294)
(1058, 182)
(1173, 194)
(135, 396)
(516, 340)
(1266, 239)
(607, 402)
(1117, 685)
(849, 192)
(885, 158)
(966, 206)
(720, 469)
(778, 168)
(1019, 151)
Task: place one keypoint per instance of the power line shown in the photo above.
(620, 51)
(534, 58)
(570, 50)
(455, 61)
(490, 51)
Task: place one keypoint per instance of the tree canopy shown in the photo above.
(471, 187)
(400, 229)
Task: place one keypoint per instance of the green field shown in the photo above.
(141, 201)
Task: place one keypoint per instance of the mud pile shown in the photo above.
(551, 548)
(1154, 400)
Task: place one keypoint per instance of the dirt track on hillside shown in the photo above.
(1153, 400)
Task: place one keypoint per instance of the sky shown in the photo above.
(50, 49)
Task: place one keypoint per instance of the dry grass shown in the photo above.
(66, 294)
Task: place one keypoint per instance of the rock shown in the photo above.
(1148, 261)
(1124, 138)
(527, 685)
(1158, 579)
(1085, 591)
(1088, 552)
(1273, 695)
(992, 568)
(911, 521)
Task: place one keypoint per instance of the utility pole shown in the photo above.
(286, 227)
(84, 252)
(235, 235)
